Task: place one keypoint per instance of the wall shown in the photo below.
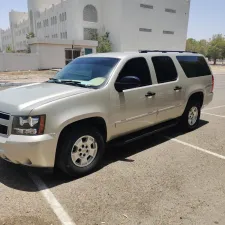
(51, 53)
(112, 14)
(53, 29)
(20, 32)
(14, 62)
(6, 39)
(157, 20)
(51, 56)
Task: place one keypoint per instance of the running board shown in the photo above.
(144, 133)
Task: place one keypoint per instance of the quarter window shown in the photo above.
(194, 66)
(165, 69)
(137, 67)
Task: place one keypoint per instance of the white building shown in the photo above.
(64, 26)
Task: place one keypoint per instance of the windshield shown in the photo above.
(90, 71)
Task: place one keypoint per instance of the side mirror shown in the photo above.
(127, 82)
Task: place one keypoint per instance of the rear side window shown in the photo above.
(165, 69)
(194, 66)
(137, 67)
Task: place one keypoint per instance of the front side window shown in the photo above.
(165, 69)
(137, 67)
(90, 71)
(194, 66)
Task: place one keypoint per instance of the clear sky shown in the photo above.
(207, 17)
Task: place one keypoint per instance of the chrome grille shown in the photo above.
(4, 123)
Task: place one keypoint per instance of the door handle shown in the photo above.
(150, 94)
(177, 88)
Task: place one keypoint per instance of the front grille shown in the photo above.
(3, 129)
(4, 116)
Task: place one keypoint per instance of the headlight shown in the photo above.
(32, 125)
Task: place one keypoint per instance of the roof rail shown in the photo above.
(164, 51)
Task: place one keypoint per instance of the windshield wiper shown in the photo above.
(54, 80)
(75, 83)
(69, 82)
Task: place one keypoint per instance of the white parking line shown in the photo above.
(213, 115)
(218, 107)
(195, 147)
(57, 208)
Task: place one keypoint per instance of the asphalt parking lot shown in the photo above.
(168, 178)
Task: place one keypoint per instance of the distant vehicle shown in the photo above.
(67, 121)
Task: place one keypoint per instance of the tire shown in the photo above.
(77, 147)
(193, 108)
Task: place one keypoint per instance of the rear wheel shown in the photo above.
(191, 117)
(80, 151)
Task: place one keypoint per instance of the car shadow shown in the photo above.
(16, 177)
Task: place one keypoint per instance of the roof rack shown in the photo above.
(164, 51)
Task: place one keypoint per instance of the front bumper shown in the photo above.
(34, 151)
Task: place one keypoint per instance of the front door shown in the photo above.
(133, 109)
(169, 90)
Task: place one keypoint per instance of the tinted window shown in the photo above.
(88, 70)
(137, 67)
(165, 69)
(194, 66)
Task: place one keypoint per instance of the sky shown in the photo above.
(207, 17)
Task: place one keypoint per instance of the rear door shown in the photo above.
(169, 89)
(198, 76)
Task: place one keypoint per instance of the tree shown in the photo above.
(191, 45)
(197, 46)
(217, 47)
(104, 44)
(30, 35)
(203, 47)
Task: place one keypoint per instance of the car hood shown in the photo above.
(21, 100)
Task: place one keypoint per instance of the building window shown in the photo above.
(146, 6)
(65, 16)
(145, 30)
(168, 32)
(170, 10)
(88, 33)
(90, 14)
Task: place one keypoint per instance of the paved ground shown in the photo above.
(168, 178)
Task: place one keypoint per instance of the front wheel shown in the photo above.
(191, 117)
(80, 151)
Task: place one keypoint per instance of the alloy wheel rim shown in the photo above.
(193, 116)
(84, 151)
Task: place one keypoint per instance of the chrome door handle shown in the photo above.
(150, 94)
(177, 88)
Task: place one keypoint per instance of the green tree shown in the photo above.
(30, 35)
(203, 47)
(104, 44)
(216, 48)
(191, 45)
(197, 46)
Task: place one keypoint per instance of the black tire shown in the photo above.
(184, 123)
(64, 160)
